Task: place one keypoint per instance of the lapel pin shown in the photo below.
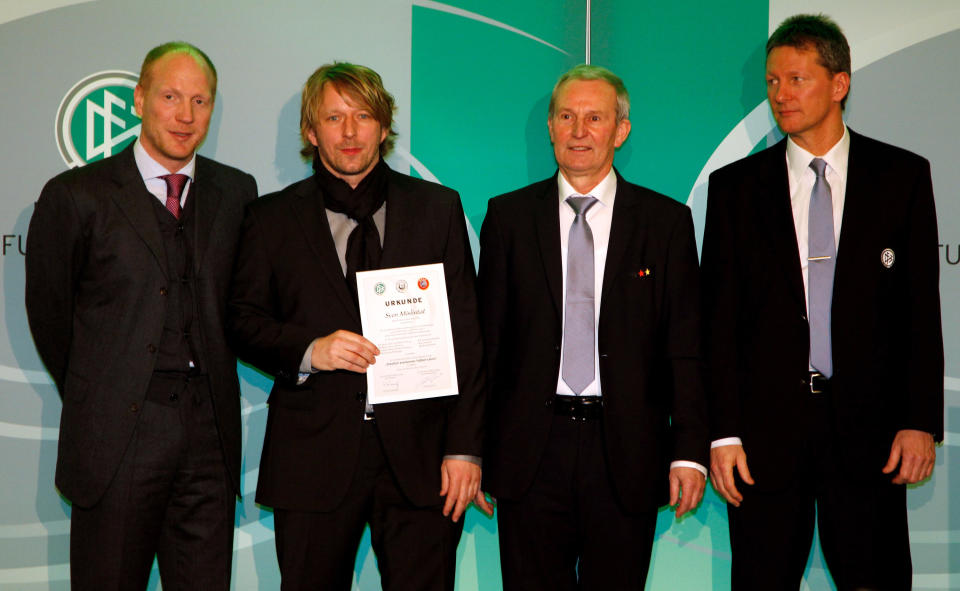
(887, 257)
(643, 273)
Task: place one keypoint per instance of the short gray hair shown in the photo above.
(591, 72)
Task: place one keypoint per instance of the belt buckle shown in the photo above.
(586, 408)
(813, 376)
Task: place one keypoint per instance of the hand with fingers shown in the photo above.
(686, 489)
(460, 485)
(914, 451)
(343, 350)
(722, 461)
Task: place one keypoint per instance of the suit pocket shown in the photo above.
(297, 397)
(639, 281)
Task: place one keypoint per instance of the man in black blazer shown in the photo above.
(127, 272)
(331, 462)
(580, 459)
(830, 383)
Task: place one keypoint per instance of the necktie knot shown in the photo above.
(175, 185)
(581, 204)
(819, 166)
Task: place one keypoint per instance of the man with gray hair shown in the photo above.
(588, 296)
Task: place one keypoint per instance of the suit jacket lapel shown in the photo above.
(626, 223)
(206, 194)
(311, 216)
(776, 217)
(400, 222)
(856, 195)
(547, 224)
(133, 199)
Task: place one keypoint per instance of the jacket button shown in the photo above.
(134, 407)
(803, 317)
(174, 397)
(548, 402)
(360, 396)
(151, 348)
(163, 291)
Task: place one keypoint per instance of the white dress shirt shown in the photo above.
(801, 178)
(599, 218)
(151, 171)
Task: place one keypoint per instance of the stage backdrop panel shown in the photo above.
(472, 80)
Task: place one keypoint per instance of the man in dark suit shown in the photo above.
(588, 295)
(823, 343)
(127, 271)
(331, 462)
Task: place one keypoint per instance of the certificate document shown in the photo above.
(404, 313)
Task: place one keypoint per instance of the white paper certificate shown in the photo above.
(404, 313)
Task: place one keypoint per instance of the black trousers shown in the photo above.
(171, 498)
(416, 547)
(862, 522)
(569, 531)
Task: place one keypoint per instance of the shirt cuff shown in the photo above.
(686, 464)
(306, 367)
(726, 441)
(466, 458)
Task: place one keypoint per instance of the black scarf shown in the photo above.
(363, 245)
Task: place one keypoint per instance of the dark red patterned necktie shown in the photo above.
(175, 185)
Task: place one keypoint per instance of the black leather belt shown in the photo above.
(578, 408)
(819, 383)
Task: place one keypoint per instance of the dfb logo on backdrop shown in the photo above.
(97, 118)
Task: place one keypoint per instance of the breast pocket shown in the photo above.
(638, 286)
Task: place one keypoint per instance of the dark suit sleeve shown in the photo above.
(682, 300)
(719, 297)
(255, 331)
(492, 287)
(54, 260)
(925, 367)
(465, 417)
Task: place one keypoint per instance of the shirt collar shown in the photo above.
(604, 192)
(151, 169)
(798, 159)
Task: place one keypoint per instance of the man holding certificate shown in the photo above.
(334, 458)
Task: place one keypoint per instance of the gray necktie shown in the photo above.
(822, 259)
(578, 322)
